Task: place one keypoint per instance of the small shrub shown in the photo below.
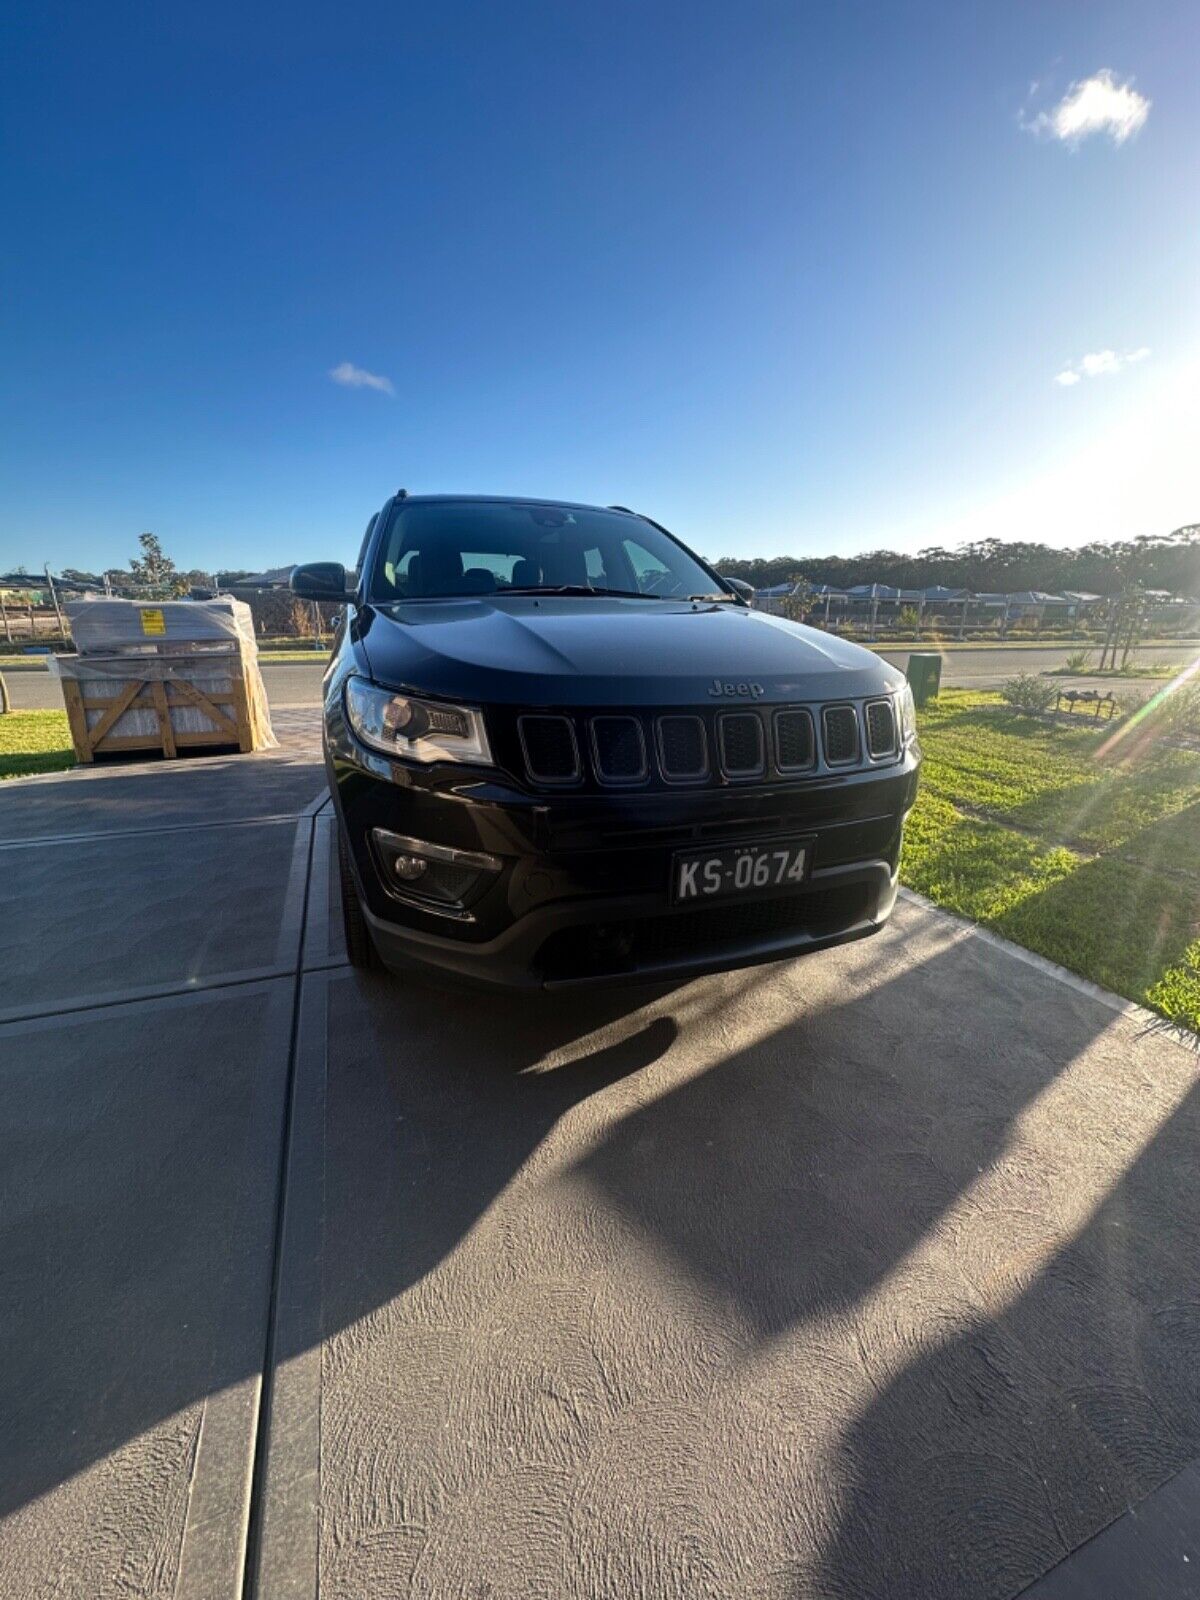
(1029, 694)
(1079, 661)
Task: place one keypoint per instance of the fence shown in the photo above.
(891, 618)
(34, 617)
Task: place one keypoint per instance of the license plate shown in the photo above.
(741, 871)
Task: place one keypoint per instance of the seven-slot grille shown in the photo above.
(741, 745)
(619, 750)
(551, 753)
(841, 735)
(881, 729)
(628, 748)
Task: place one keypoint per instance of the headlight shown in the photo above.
(418, 730)
(906, 706)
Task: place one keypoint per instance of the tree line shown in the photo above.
(1171, 561)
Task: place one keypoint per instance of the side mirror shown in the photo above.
(741, 587)
(320, 580)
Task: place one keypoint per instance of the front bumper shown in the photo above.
(581, 898)
(629, 939)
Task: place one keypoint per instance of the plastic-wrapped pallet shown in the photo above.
(144, 627)
(178, 675)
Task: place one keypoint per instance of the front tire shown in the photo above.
(360, 947)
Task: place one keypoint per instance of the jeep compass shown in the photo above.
(563, 750)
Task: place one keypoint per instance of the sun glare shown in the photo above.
(1145, 716)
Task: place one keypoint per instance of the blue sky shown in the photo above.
(788, 278)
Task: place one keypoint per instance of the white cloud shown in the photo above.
(1097, 105)
(1098, 363)
(352, 377)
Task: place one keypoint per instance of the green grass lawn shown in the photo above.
(34, 741)
(1090, 858)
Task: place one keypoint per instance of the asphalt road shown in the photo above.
(868, 1274)
(299, 684)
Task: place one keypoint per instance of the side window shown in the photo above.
(594, 563)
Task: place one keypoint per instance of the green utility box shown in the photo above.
(925, 675)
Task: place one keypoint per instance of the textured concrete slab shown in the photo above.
(139, 1154)
(867, 1274)
(133, 912)
(104, 799)
(1153, 1550)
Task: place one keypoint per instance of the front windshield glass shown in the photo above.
(445, 548)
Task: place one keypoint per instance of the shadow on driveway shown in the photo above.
(866, 1274)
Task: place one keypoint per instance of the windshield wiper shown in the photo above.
(732, 598)
(579, 588)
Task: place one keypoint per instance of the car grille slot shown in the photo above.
(881, 729)
(795, 743)
(620, 750)
(841, 735)
(740, 736)
(682, 749)
(551, 751)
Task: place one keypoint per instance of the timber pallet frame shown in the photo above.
(232, 720)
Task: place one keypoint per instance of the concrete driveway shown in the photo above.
(871, 1274)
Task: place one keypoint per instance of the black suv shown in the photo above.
(563, 751)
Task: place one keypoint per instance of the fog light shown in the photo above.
(433, 875)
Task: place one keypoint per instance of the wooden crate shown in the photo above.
(100, 692)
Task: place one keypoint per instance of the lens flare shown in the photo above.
(1146, 713)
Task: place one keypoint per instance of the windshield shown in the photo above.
(444, 548)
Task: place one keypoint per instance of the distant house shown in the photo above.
(1025, 604)
(1080, 601)
(272, 578)
(885, 600)
(17, 589)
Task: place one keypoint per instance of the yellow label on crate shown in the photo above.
(153, 621)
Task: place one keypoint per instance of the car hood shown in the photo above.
(567, 651)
